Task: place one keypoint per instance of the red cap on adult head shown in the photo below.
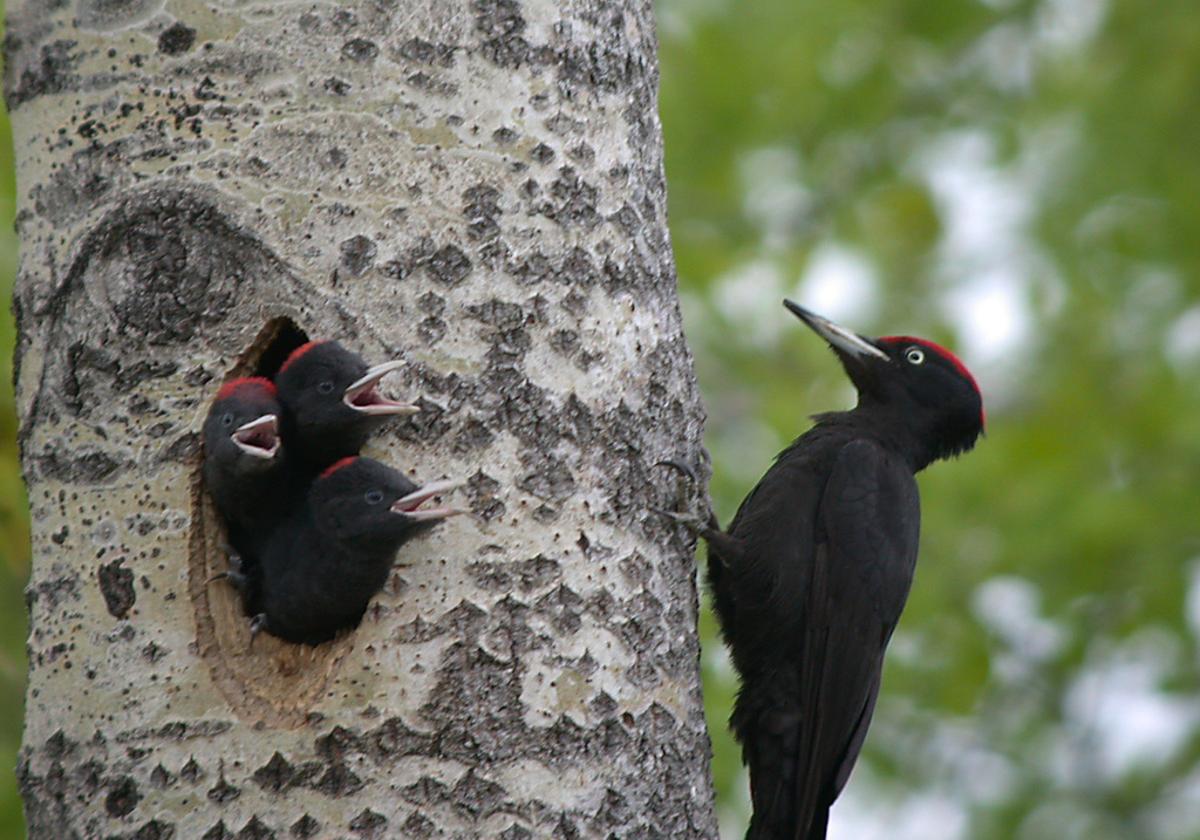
(300, 351)
(936, 348)
(945, 354)
(233, 386)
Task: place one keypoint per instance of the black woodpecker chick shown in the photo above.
(326, 563)
(810, 577)
(244, 462)
(331, 403)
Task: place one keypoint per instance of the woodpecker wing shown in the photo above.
(760, 576)
(867, 532)
(760, 572)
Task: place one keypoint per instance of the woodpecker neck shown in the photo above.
(891, 429)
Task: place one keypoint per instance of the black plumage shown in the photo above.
(334, 554)
(810, 577)
(331, 404)
(245, 468)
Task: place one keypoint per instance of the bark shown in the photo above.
(473, 186)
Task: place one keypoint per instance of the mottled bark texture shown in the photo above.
(474, 186)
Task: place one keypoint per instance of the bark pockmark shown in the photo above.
(116, 585)
(368, 823)
(256, 829)
(500, 25)
(358, 252)
(448, 265)
(360, 50)
(154, 830)
(305, 828)
(219, 831)
(176, 39)
(223, 792)
(123, 797)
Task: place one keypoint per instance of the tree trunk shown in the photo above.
(473, 186)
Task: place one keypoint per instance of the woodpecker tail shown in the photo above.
(769, 724)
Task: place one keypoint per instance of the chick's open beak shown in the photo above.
(259, 438)
(363, 394)
(408, 505)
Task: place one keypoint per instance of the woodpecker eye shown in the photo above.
(914, 355)
(227, 419)
(374, 497)
(325, 387)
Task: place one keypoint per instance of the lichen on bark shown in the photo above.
(475, 187)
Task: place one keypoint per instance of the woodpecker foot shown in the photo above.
(235, 574)
(699, 526)
(237, 579)
(232, 555)
(703, 524)
(678, 466)
(257, 625)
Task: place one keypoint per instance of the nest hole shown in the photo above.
(270, 681)
(275, 342)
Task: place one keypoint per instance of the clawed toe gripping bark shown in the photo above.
(702, 523)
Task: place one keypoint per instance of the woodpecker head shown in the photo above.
(912, 383)
(331, 396)
(367, 504)
(241, 431)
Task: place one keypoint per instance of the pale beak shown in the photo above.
(259, 438)
(839, 338)
(408, 504)
(363, 394)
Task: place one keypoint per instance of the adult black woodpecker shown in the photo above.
(244, 467)
(331, 403)
(334, 554)
(810, 577)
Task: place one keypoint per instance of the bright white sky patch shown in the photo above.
(1006, 56)
(865, 812)
(1068, 25)
(734, 817)
(992, 314)
(1193, 599)
(1120, 716)
(840, 284)
(774, 199)
(1182, 341)
(719, 662)
(1010, 607)
(993, 276)
(749, 297)
(1177, 812)
(983, 207)
(984, 253)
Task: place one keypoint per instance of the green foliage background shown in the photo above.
(1044, 681)
(14, 515)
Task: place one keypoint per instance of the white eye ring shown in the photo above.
(914, 355)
